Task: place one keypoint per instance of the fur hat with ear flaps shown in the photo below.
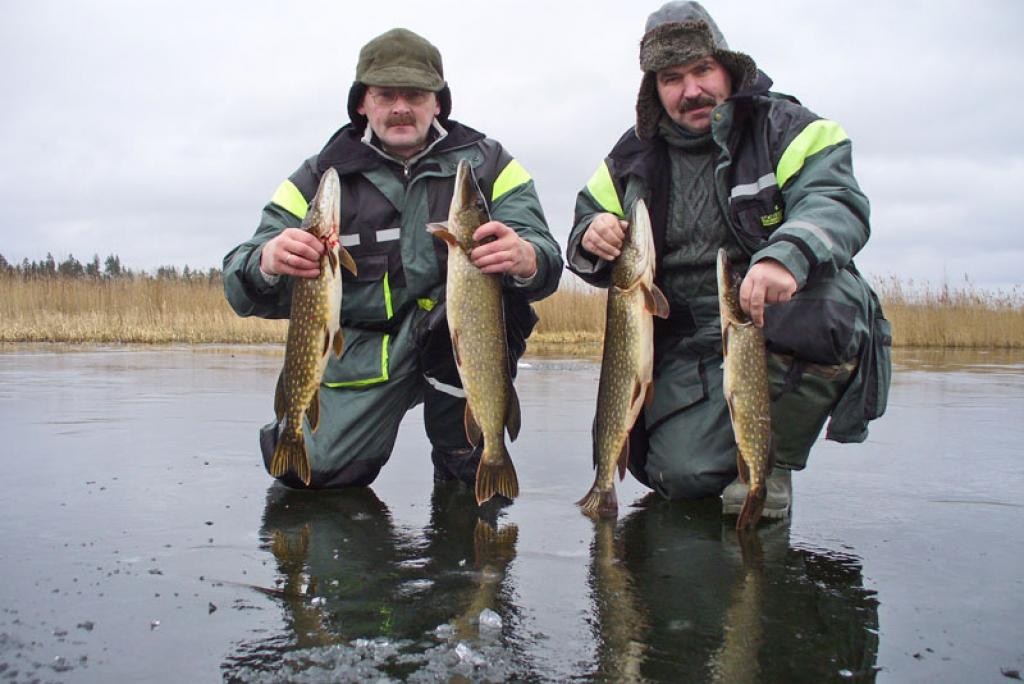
(678, 33)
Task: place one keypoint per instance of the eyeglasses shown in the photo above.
(386, 97)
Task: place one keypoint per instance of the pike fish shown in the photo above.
(314, 329)
(476, 321)
(745, 382)
(627, 361)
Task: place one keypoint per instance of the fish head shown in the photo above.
(324, 214)
(468, 208)
(636, 259)
(729, 290)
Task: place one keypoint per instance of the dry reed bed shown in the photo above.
(194, 311)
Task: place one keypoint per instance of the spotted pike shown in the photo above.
(627, 361)
(745, 382)
(313, 330)
(476, 321)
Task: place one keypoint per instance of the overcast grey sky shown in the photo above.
(157, 130)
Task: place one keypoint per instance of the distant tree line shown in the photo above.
(110, 268)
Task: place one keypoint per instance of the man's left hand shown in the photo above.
(506, 253)
(767, 282)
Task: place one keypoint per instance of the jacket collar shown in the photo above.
(349, 152)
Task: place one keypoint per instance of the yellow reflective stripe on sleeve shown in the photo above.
(387, 297)
(426, 304)
(602, 188)
(383, 377)
(813, 139)
(288, 197)
(510, 178)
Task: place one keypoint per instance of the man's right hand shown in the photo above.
(604, 236)
(294, 252)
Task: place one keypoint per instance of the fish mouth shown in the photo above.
(466, 189)
(329, 204)
(728, 287)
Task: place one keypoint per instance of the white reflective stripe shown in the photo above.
(349, 240)
(447, 389)
(389, 234)
(751, 189)
(813, 229)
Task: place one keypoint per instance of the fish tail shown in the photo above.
(753, 505)
(603, 504)
(290, 454)
(496, 478)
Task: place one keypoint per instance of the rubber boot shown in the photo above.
(458, 464)
(778, 501)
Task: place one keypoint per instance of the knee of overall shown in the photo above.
(358, 473)
(680, 478)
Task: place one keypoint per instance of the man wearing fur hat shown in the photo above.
(723, 162)
(396, 160)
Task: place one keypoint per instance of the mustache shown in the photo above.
(402, 119)
(697, 103)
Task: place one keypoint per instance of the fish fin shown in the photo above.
(327, 342)
(347, 261)
(624, 458)
(492, 545)
(725, 342)
(338, 342)
(440, 231)
(455, 348)
(313, 410)
(753, 505)
(732, 411)
(290, 454)
(637, 393)
(513, 414)
(279, 397)
(600, 504)
(649, 395)
(496, 478)
(593, 440)
(473, 432)
(741, 466)
(655, 301)
(332, 260)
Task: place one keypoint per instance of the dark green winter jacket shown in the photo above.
(385, 207)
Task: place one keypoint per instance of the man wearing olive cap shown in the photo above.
(396, 160)
(722, 162)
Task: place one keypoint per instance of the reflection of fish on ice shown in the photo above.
(493, 551)
(299, 589)
(621, 619)
(737, 659)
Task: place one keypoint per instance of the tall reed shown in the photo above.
(963, 316)
(159, 310)
(125, 310)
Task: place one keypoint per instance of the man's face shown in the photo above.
(689, 92)
(401, 117)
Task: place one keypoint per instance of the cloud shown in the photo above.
(158, 131)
